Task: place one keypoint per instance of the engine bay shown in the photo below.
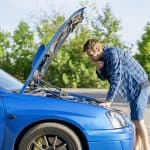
(59, 93)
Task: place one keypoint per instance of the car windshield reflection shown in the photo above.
(8, 82)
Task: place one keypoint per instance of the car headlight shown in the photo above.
(117, 119)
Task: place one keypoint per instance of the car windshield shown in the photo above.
(8, 82)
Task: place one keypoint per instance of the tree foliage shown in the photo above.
(144, 50)
(106, 28)
(71, 68)
(18, 60)
(47, 28)
(4, 50)
(4, 42)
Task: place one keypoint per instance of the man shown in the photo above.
(127, 78)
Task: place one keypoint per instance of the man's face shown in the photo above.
(96, 52)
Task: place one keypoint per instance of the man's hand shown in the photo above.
(99, 65)
(105, 104)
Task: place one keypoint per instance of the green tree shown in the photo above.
(47, 27)
(5, 39)
(144, 50)
(106, 28)
(69, 69)
(4, 42)
(22, 50)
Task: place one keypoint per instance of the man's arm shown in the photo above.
(114, 65)
(115, 74)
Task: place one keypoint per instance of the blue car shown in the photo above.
(38, 116)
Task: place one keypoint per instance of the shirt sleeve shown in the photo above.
(114, 65)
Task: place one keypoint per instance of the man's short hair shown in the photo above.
(89, 45)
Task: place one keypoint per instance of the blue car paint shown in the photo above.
(91, 120)
(1, 125)
(38, 54)
(112, 145)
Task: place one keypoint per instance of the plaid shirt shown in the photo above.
(124, 73)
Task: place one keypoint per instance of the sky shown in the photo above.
(133, 14)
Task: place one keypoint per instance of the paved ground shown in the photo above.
(118, 103)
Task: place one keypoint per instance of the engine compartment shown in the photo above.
(59, 93)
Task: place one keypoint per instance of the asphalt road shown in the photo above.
(118, 103)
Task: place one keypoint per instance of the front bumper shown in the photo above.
(112, 145)
(117, 139)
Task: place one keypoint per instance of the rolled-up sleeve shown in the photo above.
(114, 64)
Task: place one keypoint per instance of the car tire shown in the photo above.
(50, 136)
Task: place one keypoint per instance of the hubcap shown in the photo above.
(48, 142)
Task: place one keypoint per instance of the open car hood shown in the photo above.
(45, 55)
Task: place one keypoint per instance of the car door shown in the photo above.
(1, 124)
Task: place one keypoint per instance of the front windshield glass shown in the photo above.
(8, 82)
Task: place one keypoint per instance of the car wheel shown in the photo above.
(50, 136)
